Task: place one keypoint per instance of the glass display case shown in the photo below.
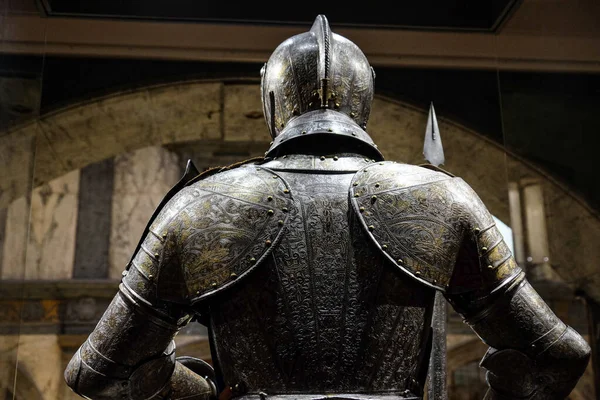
(101, 105)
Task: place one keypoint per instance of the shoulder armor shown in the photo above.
(214, 232)
(414, 216)
(434, 168)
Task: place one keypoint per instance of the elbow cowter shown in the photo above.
(533, 354)
(90, 375)
(551, 375)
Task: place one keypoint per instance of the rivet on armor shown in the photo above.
(400, 261)
(377, 185)
(284, 156)
(353, 133)
(156, 255)
(252, 259)
(164, 235)
(322, 158)
(371, 227)
(286, 190)
(362, 209)
(490, 266)
(373, 198)
(268, 242)
(270, 212)
(434, 281)
(355, 184)
(233, 275)
(214, 284)
(484, 249)
(335, 158)
(150, 276)
(477, 230)
(380, 162)
(284, 209)
(304, 132)
(124, 273)
(356, 195)
(353, 114)
(274, 176)
(329, 130)
(271, 143)
(310, 104)
(269, 198)
(337, 105)
(197, 292)
(384, 247)
(418, 273)
(280, 222)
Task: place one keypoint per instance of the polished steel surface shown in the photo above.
(314, 72)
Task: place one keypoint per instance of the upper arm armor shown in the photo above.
(212, 233)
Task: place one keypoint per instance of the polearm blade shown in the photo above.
(433, 151)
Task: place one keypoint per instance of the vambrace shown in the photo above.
(131, 355)
(533, 354)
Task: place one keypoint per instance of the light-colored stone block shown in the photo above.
(243, 119)
(187, 111)
(51, 244)
(15, 239)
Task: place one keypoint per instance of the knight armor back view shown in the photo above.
(316, 267)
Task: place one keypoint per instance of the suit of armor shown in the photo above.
(315, 268)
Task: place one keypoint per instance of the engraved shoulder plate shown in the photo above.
(215, 231)
(414, 215)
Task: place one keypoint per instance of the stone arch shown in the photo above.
(222, 114)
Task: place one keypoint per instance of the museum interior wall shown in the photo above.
(89, 145)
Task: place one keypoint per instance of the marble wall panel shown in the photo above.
(243, 114)
(142, 178)
(51, 244)
(15, 242)
(39, 369)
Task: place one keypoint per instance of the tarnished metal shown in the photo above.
(318, 82)
(422, 216)
(217, 230)
(325, 313)
(316, 269)
(532, 354)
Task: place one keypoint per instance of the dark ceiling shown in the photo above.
(461, 15)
